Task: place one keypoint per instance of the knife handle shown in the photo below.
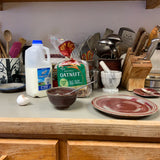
(141, 44)
(152, 48)
(141, 30)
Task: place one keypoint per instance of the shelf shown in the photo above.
(1, 5)
(150, 4)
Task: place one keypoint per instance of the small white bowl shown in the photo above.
(111, 80)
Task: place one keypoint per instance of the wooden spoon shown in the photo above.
(8, 38)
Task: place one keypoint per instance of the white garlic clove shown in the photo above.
(22, 100)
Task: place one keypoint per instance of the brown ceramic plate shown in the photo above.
(124, 106)
(153, 93)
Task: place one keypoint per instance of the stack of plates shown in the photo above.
(153, 80)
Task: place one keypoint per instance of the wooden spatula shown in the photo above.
(23, 42)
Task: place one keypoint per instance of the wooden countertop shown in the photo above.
(41, 118)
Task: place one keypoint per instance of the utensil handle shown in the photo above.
(47, 52)
(152, 48)
(3, 51)
(104, 66)
(7, 49)
(141, 30)
(143, 39)
(81, 87)
(3, 157)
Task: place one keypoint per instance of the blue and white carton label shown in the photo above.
(44, 78)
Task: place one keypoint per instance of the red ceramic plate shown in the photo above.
(153, 94)
(124, 106)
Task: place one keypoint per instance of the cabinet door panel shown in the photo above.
(27, 149)
(97, 150)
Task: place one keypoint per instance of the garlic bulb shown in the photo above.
(22, 100)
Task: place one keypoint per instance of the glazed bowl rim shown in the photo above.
(59, 95)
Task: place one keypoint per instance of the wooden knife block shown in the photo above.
(134, 71)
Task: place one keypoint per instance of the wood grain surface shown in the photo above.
(149, 3)
(3, 157)
(28, 149)
(75, 139)
(96, 150)
(83, 127)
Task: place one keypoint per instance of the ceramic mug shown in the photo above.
(9, 70)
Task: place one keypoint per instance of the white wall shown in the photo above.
(74, 20)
